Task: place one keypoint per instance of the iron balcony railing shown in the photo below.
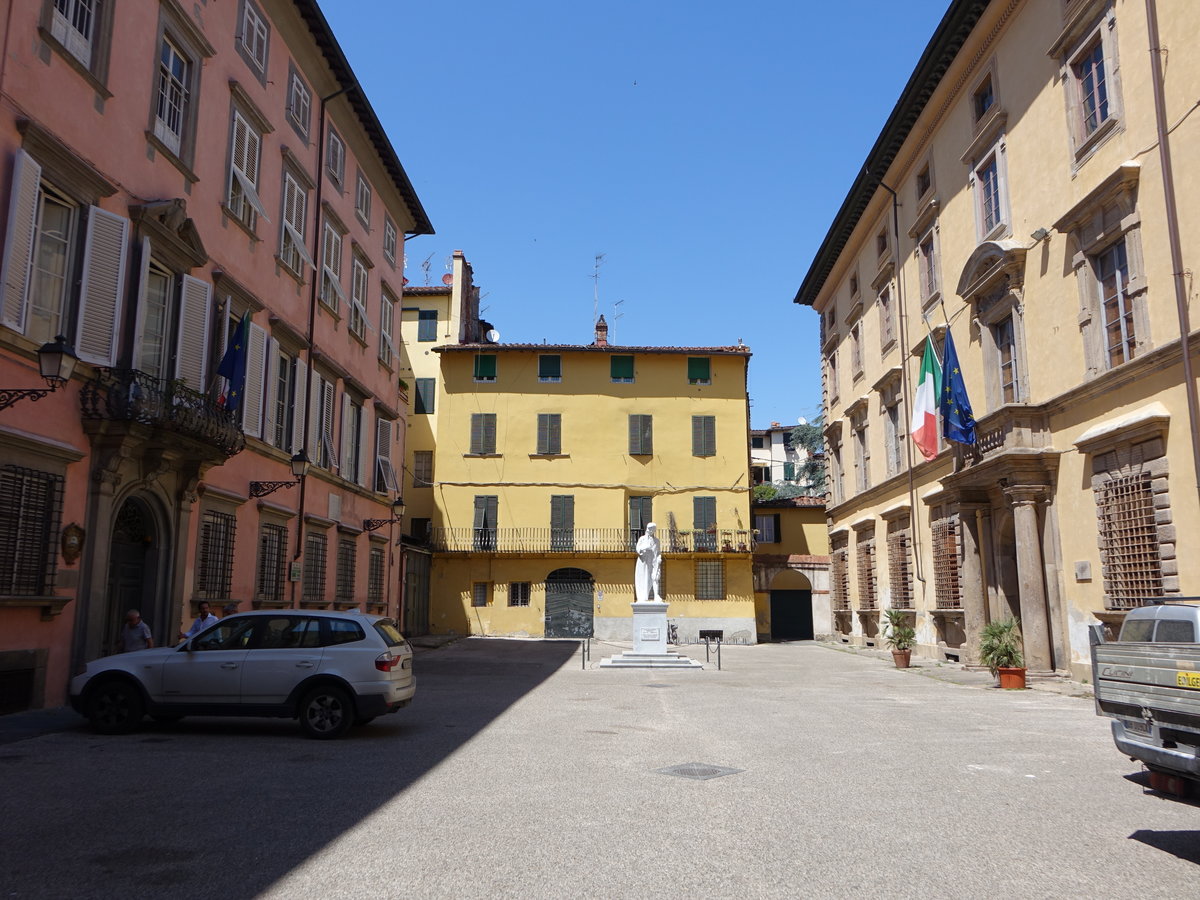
(584, 540)
(128, 395)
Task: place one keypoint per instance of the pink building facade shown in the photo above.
(167, 169)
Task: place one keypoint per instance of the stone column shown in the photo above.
(1035, 627)
(973, 596)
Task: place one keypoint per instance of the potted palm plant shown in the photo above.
(900, 636)
(1000, 650)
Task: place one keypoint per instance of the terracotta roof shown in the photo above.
(592, 348)
(788, 501)
(427, 289)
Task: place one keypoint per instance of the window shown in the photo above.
(389, 240)
(881, 244)
(214, 563)
(335, 158)
(946, 585)
(485, 367)
(704, 523)
(158, 314)
(1134, 518)
(323, 414)
(621, 369)
(899, 545)
(332, 294)
(893, 438)
(862, 455)
(710, 579)
(983, 99)
(385, 472)
(924, 182)
(837, 488)
(988, 179)
(479, 593)
(756, 442)
(375, 570)
(562, 522)
(699, 370)
(854, 284)
(299, 108)
(272, 563)
(54, 239)
(352, 422)
(1087, 52)
(640, 515)
(928, 267)
(988, 176)
(486, 507)
(1090, 82)
(29, 530)
(856, 357)
(427, 325)
(255, 38)
(425, 394)
(358, 298)
(286, 401)
(293, 249)
(768, 529)
(387, 316)
(1004, 338)
(1112, 277)
(831, 375)
(313, 586)
(518, 593)
(170, 114)
(641, 435)
(887, 317)
(422, 468)
(244, 203)
(839, 573)
(347, 557)
(75, 24)
(549, 434)
(483, 434)
(362, 199)
(704, 435)
(550, 368)
(864, 564)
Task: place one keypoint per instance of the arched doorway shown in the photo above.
(570, 610)
(135, 575)
(791, 607)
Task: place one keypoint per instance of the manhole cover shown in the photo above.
(698, 771)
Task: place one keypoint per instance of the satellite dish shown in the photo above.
(802, 421)
(447, 279)
(493, 336)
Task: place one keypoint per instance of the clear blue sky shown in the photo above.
(702, 147)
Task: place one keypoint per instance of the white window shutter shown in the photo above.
(365, 472)
(252, 392)
(347, 436)
(101, 286)
(299, 409)
(140, 313)
(270, 388)
(314, 418)
(328, 433)
(19, 238)
(191, 355)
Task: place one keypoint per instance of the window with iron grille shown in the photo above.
(840, 579)
(214, 569)
(375, 569)
(347, 558)
(864, 563)
(710, 579)
(272, 562)
(518, 593)
(32, 504)
(947, 589)
(479, 593)
(1129, 545)
(899, 541)
(316, 545)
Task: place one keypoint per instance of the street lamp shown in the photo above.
(398, 508)
(56, 361)
(299, 470)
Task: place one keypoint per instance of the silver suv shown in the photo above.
(330, 670)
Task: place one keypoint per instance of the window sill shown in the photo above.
(332, 310)
(71, 60)
(172, 157)
(699, 382)
(549, 380)
(1088, 146)
(485, 380)
(297, 277)
(50, 606)
(549, 455)
(483, 455)
(236, 220)
(359, 338)
(622, 381)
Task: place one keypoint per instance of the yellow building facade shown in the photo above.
(791, 569)
(548, 463)
(1023, 198)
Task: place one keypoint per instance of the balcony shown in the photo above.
(584, 541)
(128, 395)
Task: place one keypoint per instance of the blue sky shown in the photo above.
(703, 148)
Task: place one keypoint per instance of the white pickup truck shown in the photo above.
(1148, 682)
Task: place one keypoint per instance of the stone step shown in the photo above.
(650, 661)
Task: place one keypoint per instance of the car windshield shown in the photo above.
(389, 632)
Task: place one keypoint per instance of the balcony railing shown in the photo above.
(584, 540)
(128, 395)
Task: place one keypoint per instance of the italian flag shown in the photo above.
(925, 403)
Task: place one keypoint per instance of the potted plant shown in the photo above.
(900, 636)
(1000, 651)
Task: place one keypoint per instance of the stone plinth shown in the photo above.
(649, 642)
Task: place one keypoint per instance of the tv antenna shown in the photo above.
(596, 288)
(616, 315)
(425, 267)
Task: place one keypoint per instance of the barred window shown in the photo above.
(479, 593)
(864, 563)
(347, 557)
(899, 540)
(710, 579)
(316, 545)
(375, 577)
(1129, 547)
(839, 579)
(518, 593)
(272, 562)
(945, 563)
(214, 570)
(32, 504)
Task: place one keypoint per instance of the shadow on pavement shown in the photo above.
(225, 807)
(1184, 844)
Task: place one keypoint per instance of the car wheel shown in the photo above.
(326, 712)
(364, 720)
(115, 707)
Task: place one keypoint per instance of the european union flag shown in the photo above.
(233, 363)
(958, 424)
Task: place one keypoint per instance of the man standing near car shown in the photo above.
(203, 620)
(135, 634)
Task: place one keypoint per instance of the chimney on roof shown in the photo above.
(601, 332)
(776, 425)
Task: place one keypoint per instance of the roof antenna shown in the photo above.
(616, 315)
(596, 288)
(425, 266)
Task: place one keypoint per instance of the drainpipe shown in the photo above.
(1177, 271)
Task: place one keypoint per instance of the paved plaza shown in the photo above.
(518, 773)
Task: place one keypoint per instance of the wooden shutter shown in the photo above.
(704, 512)
(19, 239)
(549, 441)
(562, 512)
(348, 437)
(246, 144)
(698, 369)
(621, 367)
(476, 432)
(252, 391)
(364, 428)
(425, 396)
(299, 409)
(641, 435)
(640, 512)
(270, 391)
(317, 393)
(489, 432)
(140, 314)
(101, 286)
(485, 511)
(778, 530)
(704, 438)
(386, 472)
(191, 355)
(485, 366)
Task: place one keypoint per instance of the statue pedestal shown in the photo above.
(649, 642)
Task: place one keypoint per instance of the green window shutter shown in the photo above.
(639, 513)
(550, 367)
(427, 322)
(704, 512)
(704, 435)
(778, 530)
(549, 436)
(641, 435)
(562, 512)
(789, 471)
(485, 366)
(698, 370)
(621, 368)
(425, 395)
(483, 433)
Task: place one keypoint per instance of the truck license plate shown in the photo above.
(1142, 727)
(1188, 680)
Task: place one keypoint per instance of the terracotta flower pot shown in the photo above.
(1012, 679)
(902, 658)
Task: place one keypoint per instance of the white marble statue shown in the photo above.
(647, 576)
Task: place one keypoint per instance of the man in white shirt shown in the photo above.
(205, 619)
